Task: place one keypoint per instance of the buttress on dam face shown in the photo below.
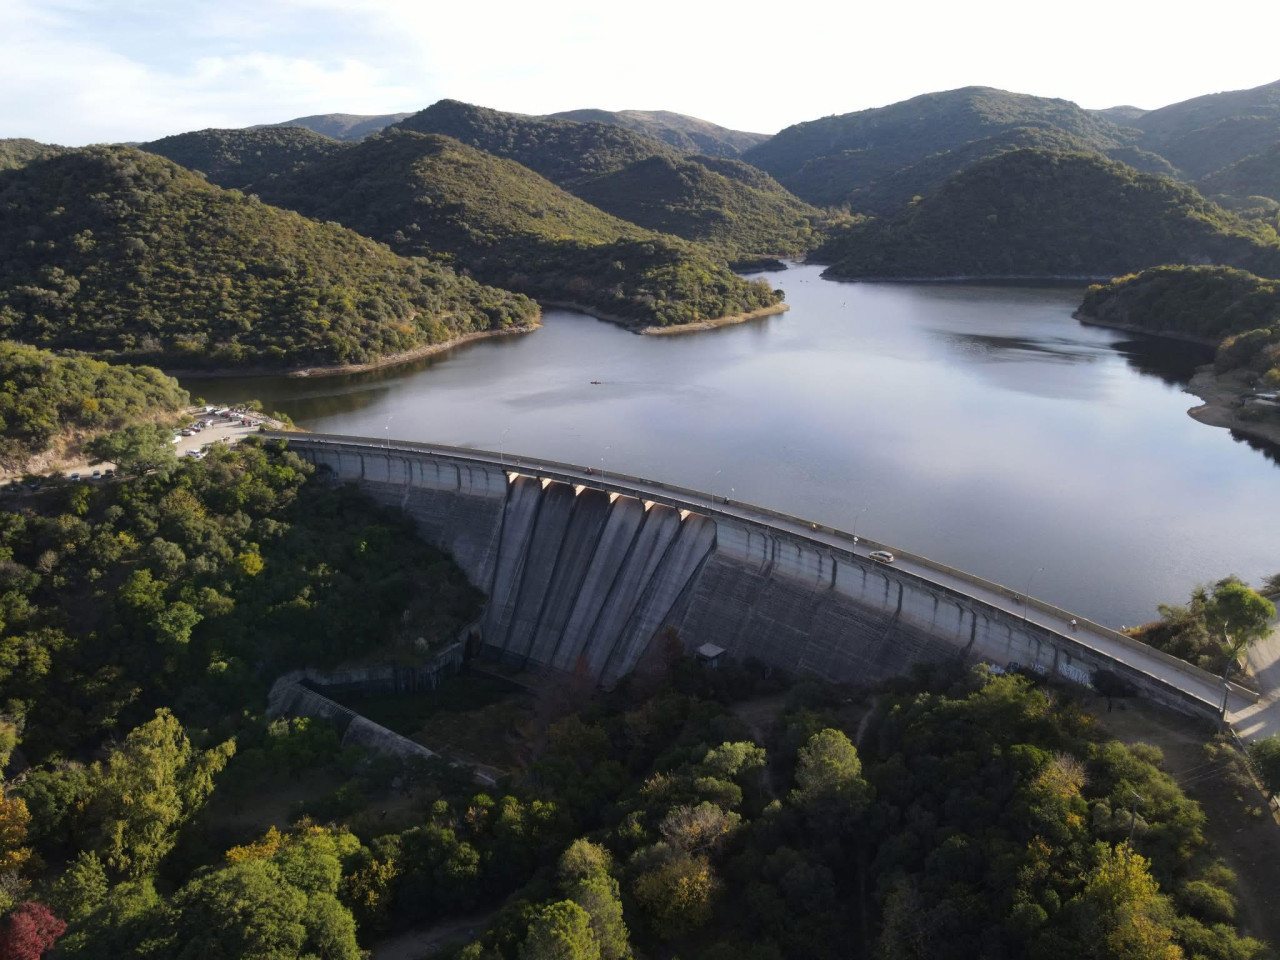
(583, 573)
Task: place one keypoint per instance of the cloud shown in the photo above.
(81, 70)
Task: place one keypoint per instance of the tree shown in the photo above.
(138, 448)
(560, 931)
(829, 776)
(242, 912)
(1237, 616)
(1265, 755)
(147, 789)
(586, 880)
(677, 892)
(29, 931)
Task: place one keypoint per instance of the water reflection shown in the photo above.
(979, 425)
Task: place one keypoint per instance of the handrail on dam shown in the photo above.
(684, 498)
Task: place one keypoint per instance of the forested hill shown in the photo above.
(719, 201)
(241, 159)
(50, 399)
(562, 151)
(117, 251)
(687, 134)
(341, 126)
(724, 204)
(826, 161)
(1031, 213)
(1209, 303)
(432, 195)
(20, 151)
(1207, 133)
(1257, 175)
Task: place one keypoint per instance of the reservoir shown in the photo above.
(980, 426)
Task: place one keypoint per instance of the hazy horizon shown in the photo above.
(79, 73)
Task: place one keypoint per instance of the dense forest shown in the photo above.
(976, 815)
(433, 196)
(240, 159)
(47, 398)
(1031, 213)
(718, 201)
(1207, 133)
(1231, 308)
(686, 134)
(342, 126)
(19, 152)
(870, 145)
(126, 254)
(1253, 176)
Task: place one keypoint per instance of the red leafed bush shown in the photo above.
(29, 931)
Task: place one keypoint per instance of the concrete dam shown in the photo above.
(583, 570)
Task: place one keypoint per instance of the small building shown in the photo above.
(709, 654)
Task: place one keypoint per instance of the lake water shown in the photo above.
(980, 426)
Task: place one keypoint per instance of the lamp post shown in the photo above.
(856, 517)
(713, 486)
(602, 473)
(502, 446)
(1026, 592)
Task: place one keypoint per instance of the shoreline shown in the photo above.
(1133, 328)
(1002, 278)
(1219, 400)
(728, 321)
(654, 331)
(1220, 396)
(390, 360)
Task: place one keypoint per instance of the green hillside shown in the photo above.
(47, 398)
(687, 134)
(716, 200)
(562, 151)
(1197, 113)
(120, 252)
(341, 126)
(19, 151)
(1032, 213)
(434, 196)
(1254, 176)
(1234, 309)
(827, 161)
(242, 158)
(1209, 303)
(695, 201)
(1207, 133)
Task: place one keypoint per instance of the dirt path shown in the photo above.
(424, 941)
(1249, 844)
(759, 715)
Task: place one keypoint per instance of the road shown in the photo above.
(1104, 640)
(1263, 718)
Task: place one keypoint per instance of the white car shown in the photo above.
(881, 556)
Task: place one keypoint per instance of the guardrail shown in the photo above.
(689, 499)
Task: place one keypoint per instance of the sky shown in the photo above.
(84, 71)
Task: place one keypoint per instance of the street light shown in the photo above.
(856, 517)
(502, 445)
(713, 486)
(602, 473)
(1027, 591)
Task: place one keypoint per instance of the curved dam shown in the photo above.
(583, 570)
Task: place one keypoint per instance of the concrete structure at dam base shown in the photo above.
(584, 569)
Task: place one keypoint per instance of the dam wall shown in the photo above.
(584, 570)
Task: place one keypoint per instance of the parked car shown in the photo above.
(109, 474)
(75, 476)
(96, 475)
(881, 556)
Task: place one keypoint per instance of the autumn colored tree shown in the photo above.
(29, 931)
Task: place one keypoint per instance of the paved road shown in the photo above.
(1263, 718)
(1196, 682)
